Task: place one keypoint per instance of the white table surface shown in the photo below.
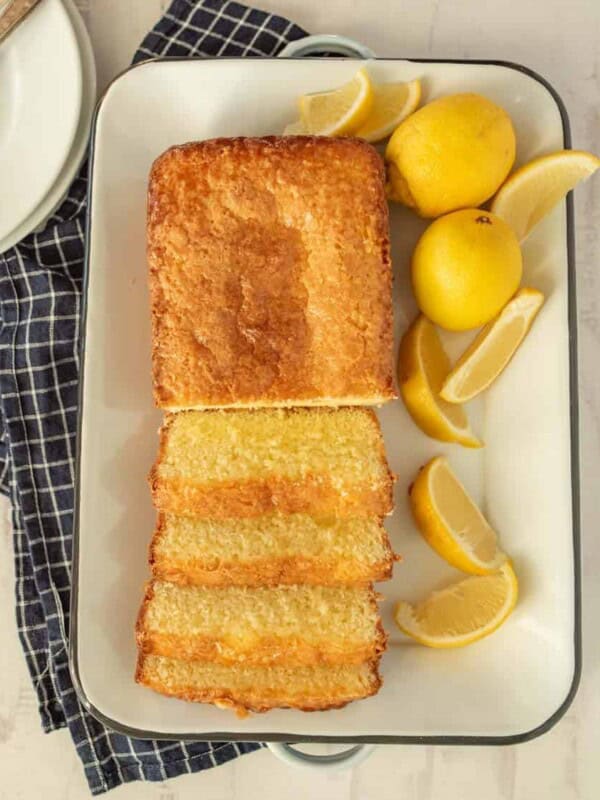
(561, 40)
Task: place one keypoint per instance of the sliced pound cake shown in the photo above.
(246, 463)
(244, 688)
(291, 625)
(270, 549)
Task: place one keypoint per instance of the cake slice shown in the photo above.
(220, 464)
(245, 688)
(271, 549)
(270, 276)
(291, 625)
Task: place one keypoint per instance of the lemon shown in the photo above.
(338, 111)
(392, 103)
(492, 348)
(422, 367)
(453, 153)
(534, 189)
(465, 268)
(451, 523)
(463, 612)
(296, 128)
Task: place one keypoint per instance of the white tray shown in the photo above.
(507, 688)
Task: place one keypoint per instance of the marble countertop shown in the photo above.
(562, 42)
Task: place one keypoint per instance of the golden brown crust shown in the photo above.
(270, 274)
(267, 651)
(314, 494)
(243, 702)
(140, 619)
(288, 570)
(273, 572)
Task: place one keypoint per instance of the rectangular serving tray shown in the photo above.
(508, 688)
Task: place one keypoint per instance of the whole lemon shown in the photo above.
(453, 153)
(465, 268)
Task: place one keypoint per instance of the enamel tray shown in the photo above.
(505, 689)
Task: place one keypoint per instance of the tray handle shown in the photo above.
(326, 43)
(333, 761)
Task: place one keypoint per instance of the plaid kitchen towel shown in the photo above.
(40, 305)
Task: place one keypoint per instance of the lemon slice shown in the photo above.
(463, 612)
(338, 111)
(296, 128)
(493, 348)
(422, 367)
(534, 189)
(451, 523)
(392, 103)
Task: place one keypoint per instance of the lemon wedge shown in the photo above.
(392, 103)
(451, 523)
(493, 348)
(338, 111)
(462, 613)
(296, 128)
(422, 366)
(534, 189)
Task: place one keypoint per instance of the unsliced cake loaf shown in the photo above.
(271, 549)
(291, 625)
(270, 274)
(244, 688)
(246, 463)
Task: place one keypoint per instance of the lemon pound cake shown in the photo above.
(270, 274)
(246, 463)
(244, 688)
(292, 625)
(271, 549)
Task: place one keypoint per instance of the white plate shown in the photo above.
(41, 87)
(506, 688)
(60, 187)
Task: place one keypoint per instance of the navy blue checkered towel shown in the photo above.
(40, 301)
